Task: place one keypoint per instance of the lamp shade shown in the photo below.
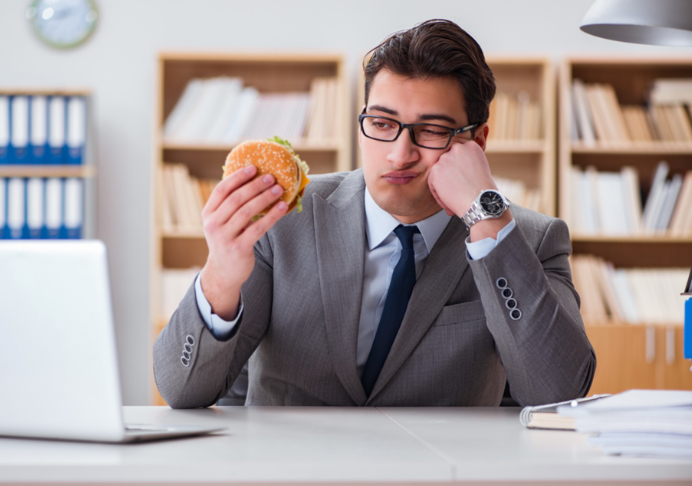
(656, 22)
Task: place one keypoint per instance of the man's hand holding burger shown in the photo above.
(231, 234)
(241, 209)
(458, 178)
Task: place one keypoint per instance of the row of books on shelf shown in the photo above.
(518, 193)
(42, 130)
(514, 117)
(610, 203)
(632, 296)
(222, 111)
(599, 117)
(184, 197)
(41, 208)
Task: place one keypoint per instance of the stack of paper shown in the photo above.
(638, 422)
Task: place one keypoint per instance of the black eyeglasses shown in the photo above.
(426, 135)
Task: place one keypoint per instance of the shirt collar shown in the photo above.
(380, 224)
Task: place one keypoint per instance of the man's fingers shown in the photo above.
(238, 198)
(228, 185)
(244, 215)
(257, 229)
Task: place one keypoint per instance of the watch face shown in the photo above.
(491, 202)
(62, 23)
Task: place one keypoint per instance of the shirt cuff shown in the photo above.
(482, 248)
(219, 328)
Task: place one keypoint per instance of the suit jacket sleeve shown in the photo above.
(546, 354)
(214, 364)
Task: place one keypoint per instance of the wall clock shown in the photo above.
(62, 23)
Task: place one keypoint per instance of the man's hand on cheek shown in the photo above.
(459, 176)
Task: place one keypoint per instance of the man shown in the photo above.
(378, 294)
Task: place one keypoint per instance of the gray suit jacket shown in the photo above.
(457, 344)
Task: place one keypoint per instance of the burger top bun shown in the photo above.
(269, 158)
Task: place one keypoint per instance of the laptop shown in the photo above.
(58, 364)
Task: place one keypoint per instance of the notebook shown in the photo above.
(546, 416)
(59, 376)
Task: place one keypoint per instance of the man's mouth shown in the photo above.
(400, 177)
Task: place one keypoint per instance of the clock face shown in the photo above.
(62, 23)
(492, 203)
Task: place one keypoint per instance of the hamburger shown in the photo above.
(276, 157)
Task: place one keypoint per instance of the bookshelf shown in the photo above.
(529, 160)
(629, 356)
(47, 168)
(185, 247)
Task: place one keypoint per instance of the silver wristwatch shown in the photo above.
(489, 204)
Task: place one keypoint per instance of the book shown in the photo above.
(637, 422)
(655, 198)
(3, 209)
(583, 113)
(546, 416)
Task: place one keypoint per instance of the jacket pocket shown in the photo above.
(461, 313)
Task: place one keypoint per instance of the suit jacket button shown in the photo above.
(511, 303)
(190, 339)
(186, 362)
(515, 314)
(501, 283)
(507, 292)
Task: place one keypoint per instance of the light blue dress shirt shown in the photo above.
(382, 256)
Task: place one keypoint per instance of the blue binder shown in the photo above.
(3, 209)
(19, 130)
(76, 129)
(35, 217)
(38, 123)
(16, 208)
(73, 212)
(4, 129)
(57, 119)
(54, 207)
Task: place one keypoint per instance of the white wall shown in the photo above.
(118, 64)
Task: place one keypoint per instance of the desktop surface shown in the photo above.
(336, 445)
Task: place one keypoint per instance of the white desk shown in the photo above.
(328, 445)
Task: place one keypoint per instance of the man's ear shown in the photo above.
(481, 137)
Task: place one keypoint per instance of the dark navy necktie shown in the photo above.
(400, 288)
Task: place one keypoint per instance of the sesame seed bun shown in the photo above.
(270, 158)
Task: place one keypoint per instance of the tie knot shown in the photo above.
(405, 235)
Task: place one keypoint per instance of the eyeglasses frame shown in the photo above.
(453, 132)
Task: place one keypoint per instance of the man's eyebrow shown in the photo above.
(425, 117)
(383, 109)
(438, 116)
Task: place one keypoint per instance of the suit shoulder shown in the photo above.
(324, 184)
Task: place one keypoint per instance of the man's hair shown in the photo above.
(437, 49)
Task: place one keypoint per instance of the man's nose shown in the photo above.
(403, 151)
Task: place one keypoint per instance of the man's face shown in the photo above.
(396, 173)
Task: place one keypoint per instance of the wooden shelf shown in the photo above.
(635, 148)
(45, 92)
(515, 146)
(178, 234)
(83, 171)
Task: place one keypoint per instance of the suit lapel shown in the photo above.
(341, 242)
(443, 270)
